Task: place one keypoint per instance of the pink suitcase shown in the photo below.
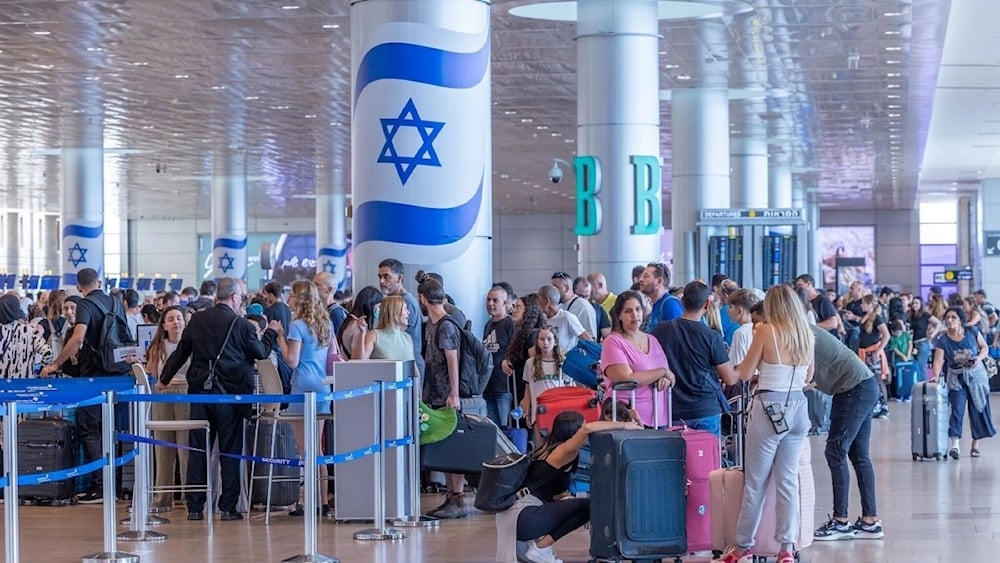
(727, 496)
(704, 455)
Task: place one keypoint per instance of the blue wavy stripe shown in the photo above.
(229, 243)
(418, 63)
(389, 221)
(83, 231)
(335, 252)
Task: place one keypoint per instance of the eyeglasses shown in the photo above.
(562, 275)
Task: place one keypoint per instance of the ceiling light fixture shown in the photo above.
(290, 7)
(893, 48)
(892, 14)
(41, 32)
(683, 77)
(181, 76)
(331, 25)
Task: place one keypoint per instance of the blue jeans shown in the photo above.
(711, 424)
(498, 407)
(923, 355)
(849, 437)
(980, 423)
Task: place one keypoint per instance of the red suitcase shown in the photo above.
(554, 401)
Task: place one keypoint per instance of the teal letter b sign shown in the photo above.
(588, 207)
(646, 183)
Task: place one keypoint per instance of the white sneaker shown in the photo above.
(535, 554)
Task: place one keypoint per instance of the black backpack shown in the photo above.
(475, 363)
(113, 333)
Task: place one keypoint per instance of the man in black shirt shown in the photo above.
(85, 342)
(697, 355)
(826, 314)
(206, 338)
(277, 310)
(497, 334)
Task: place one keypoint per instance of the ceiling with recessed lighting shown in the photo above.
(849, 88)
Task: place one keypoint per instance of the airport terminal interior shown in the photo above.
(168, 142)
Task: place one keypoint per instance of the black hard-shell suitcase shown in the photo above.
(44, 445)
(285, 479)
(637, 495)
(475, 440)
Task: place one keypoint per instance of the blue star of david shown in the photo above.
(329, 267)
(425, 155)
(226, 262)
(77, 254)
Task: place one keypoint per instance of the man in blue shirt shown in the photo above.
(654, 282)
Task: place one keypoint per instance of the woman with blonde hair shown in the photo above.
(781, 353)
(305, 351)
(389, 340)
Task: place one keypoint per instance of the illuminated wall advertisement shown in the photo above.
(847, 242)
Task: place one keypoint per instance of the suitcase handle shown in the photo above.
(41, 445)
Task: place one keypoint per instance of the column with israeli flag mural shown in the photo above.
(331, 228)
(421, 143)
(229, 221)
(82, 211)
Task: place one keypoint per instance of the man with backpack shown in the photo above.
(441, 380)
(100, 328)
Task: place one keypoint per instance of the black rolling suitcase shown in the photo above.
(285, 479)
(43, 445)
(637, 495)
(475, 440)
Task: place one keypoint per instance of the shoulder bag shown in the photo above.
(212, 364)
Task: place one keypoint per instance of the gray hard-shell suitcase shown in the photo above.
(929, 413)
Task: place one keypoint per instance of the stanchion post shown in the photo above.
(140, 506)
(309, 486)
(380, 531)
(10, 509)
(415, 519)
(110, 552)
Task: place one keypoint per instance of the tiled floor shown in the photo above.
(932, 512)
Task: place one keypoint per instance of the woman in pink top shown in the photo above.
(629, 354)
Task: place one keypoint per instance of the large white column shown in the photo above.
(229, 218)
(748, 160)
(82, 208)
(331, 229)
(421, 143)
(618, 125)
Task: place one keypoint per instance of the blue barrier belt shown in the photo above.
(348, 456)
(60, 475)
(126, 437)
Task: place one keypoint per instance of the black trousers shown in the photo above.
(555, 519)
(88, 433)
(226, 427)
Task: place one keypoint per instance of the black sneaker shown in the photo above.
(865, 531)
(92, 497)
(835, 530)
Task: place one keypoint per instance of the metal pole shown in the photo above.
(140, 505)
(416, 519)
(310, 440)
(10, 509)
(380, 531)
(110, 552)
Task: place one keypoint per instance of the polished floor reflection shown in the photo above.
(932, 512)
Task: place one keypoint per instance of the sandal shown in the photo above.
(975, 452)
(785, 557)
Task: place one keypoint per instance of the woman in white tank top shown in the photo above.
(781, 353)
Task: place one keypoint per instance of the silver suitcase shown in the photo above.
(929, 421)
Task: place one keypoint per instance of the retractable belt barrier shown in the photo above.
(29, 396)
